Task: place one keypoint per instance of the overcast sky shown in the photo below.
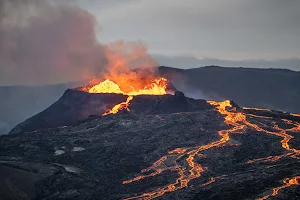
(219, 29)
(51, 41)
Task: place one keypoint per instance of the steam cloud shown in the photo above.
(52, 41)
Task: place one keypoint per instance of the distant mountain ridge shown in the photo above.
(187, 62)
(276, 89)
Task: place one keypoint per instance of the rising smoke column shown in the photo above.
(51, 41)
(47, 42)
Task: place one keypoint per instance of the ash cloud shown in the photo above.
(43, 42)
(47, 42)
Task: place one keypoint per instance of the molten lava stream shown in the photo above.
(119, 107)
(211, 180)
(287, 183)
(185, 175)
(154, 87)
(238, 123)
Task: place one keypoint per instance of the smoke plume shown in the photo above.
(47, 42)
(55, 41)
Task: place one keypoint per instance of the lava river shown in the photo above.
(238, 123)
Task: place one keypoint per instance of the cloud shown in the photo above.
(230, 30)
(47, 42)
(186, 62)
(50, 41)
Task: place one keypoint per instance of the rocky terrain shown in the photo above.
(166, 147)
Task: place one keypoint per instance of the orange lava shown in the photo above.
(211, 180)
(269, 158)
(106, 86)
(258, 109)
(238, 124)
(130, 70)
(287, 183)
(119, 107)
(185, 174)
(154, 87)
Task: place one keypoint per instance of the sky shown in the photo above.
(227, 30)
(57, 41)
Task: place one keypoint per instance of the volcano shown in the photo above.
(94, 145)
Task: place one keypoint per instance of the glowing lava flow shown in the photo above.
(106, 86)
(287, 183)
(193, 169)
(237, 121)
(155, 87)
(119, 107)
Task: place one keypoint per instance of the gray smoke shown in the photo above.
(193, 92)
(42, 42)
(47, 41)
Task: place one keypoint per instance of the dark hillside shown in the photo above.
(265, 88)
(18, 103)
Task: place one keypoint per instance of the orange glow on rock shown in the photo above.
(238, 123)
(156, 86)
(119, 107)
(106, 86)
(287, 183)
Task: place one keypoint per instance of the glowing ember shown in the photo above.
(119, 107)
(106, 86)
(154, 87)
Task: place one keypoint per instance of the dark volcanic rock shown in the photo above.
(75, 106)
(91, 158)
(71, 108)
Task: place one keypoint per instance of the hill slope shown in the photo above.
(18, 103)
(166, 147)
(265, 88)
